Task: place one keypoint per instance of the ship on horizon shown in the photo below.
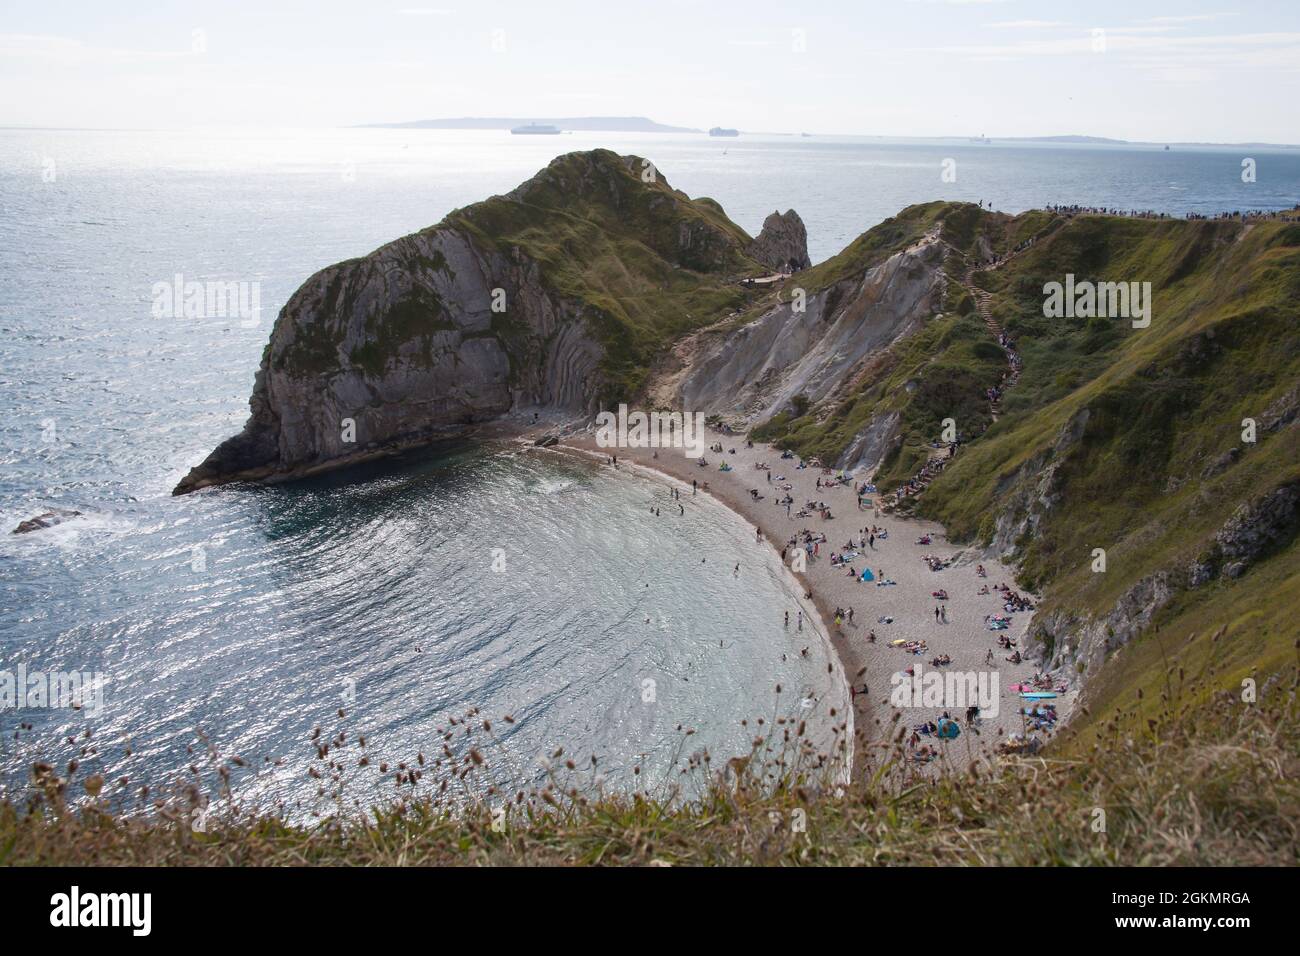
(720, 131)
(535, 129)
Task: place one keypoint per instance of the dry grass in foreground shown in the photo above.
(1214, 786)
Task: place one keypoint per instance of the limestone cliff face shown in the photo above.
(402, 347)
(783, 243)
(757, 370)
(516, 301)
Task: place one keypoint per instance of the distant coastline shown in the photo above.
(642, 124)
(584, 124)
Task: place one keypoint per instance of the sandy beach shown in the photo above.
(903, 611)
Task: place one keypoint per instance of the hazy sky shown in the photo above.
(1158, 71)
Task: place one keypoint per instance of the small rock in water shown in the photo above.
(47, 520)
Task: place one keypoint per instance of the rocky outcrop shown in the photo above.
(782, 245)
(47, 519)
(1255, 528)
(1083, 644)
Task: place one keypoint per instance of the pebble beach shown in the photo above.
(893, 626)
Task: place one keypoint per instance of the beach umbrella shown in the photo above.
(948, 729)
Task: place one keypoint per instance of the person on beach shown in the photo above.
(682, 510)
(693, 486)
(936, 614)
(787, 622)
(799, 629)
(850, 615)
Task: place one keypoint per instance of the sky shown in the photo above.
(1127, 69)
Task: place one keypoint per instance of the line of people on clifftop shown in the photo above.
(1285, 215)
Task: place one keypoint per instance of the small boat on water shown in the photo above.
(536, 129)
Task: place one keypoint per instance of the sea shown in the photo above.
(541, 602)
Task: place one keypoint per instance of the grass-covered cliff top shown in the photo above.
(651, 263)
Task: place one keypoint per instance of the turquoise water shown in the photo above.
(378, 582)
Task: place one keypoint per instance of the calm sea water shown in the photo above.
(248, 614)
